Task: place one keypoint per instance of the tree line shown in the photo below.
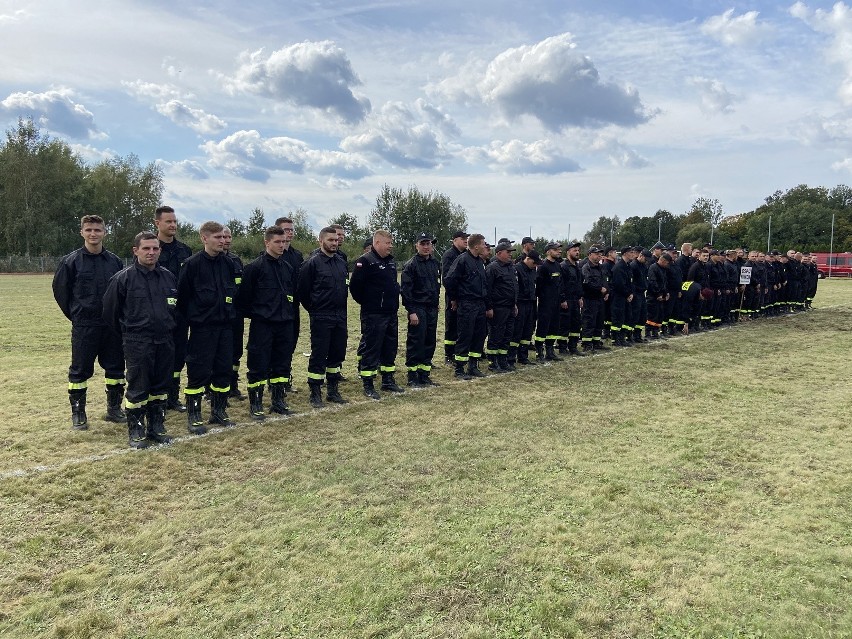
(45, 188)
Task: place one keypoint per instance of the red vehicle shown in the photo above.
(837, 264)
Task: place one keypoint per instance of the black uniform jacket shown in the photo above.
(593, 281)
(657, 280)
(80, 282)
(699, 272)
(321, 287)
(172, 255)
(268, 289)
(640, 276)
(572, 280)
(140, 303)
(207, 288)
(421, 283)
(526, 282)
(548, 282)
(466, 279)
(448, 259)
(502, 283)
(373, 284)
(622, 279)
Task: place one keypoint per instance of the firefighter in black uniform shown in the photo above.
(572, 292)
(639, 272)
(267, 297)
(732, 282)
(375, 288)
(294, 258)
(207, 287)
(322, 290)
(675, 290)
(595, 291)
(519, 346)
(717, 284)
(699, 273)
(467, 291)
(607, 262)
(238, 326)
(657, 293)
(621, 296)
(450, 314)
(548, 290)
(173, 253)
(78, 287)
(139, 304)
(421, 291)
(502, 282)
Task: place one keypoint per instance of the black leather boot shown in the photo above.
(539, 352)
(218, 410)
(426, 379)
(235, 392)
(493, 366)
(77, 398)
(173, 402)
(333, 394)
(115, 393)
(316, 395)
(414, 379)
(369, 388)
(194, 420)
(473, 368)
(156, 431)
(550, 353)
(504, 364)
(136, 428)
(255, 395)
(460, 372)
(389, 384)
(279, 403)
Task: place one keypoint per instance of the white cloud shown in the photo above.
(92, 155)
(15, 16)
(152, 90)
(838, 24)
(559, 87)
(54, 110)
(735, 30)
(312, 74)
(195, 119)
(520, 158)
(715, 97)
(819, 130)
(405, 137)
(186, 168)
(618, 154)
(843, 165)
(249, 155)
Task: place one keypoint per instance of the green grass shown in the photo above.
(695, 488)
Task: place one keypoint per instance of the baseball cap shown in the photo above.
(424, 237)
(534, 256)
(595, 249)
(459, 234)
(527, 240)
(552, 245)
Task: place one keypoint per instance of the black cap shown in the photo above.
(647, 253)
(671, 247)
(503, 246)
(666, 257)
(658, 245)
(552, 245)
(504, 240)
(594, 249)
(573, 245)
(714, 252)
(527, 240)
(424, 237)
(368, 242)
(626, 249)
(534, 256)
(608, 250)
(459, 234)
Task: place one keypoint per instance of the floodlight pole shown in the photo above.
(769, 235)
(660, 230)
(831, 246)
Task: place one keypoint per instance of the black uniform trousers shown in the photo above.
(593, 320)
(618, 313)
(380, 336)
(656, 311)
(89, 343)
(180, 335)
(500, 329)
(639, 310)
(328, 347)
(451, 328)
(524, 324)
(472, 329)
(570, 321)
(269, 352)
(238, 331)
(547, 326)
(149, 370)
(420, 341)
(208, 358)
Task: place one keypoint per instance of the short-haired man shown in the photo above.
(639, 310)
(267, 297)
(207, 288)
(139, 304)
(548, 290)
(467, 290)
(238, 326)
(450, 314)
(502, 282)
(294, 258)
(322, 290)
(374, 286)
(173, 253)
(595, 291)
(519, 346)
(658, 294)
(527, 246)
(621, 287)
(421, 292)
(78, 286)
(572, 292)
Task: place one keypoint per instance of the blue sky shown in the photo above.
(538, 115)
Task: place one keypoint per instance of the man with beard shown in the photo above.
(503, 293)
(450, 315)
(595, 292)
(572, 292)
(621, 296)
(657, 294)
(549, 293)
(525, 271)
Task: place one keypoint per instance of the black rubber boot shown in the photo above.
(255, 395)
(389, 384)
(136, 428)
(218, 409)
(539, 352)
(493, 366)
(278, 397)
(369, 388)
(235, 392)
(414, 379)
(77, 398)
(572, 348)
(333, 394)
(524, 356)
(316, 395)
(194, 420)
(173, 402)
(598, 345)
(426, 379)
(505, 365)
(562, 347)
(115, 393)
(473, 368)
(588, 348)
(156, 432)
(512, 356)
(460, 372)
(550, 353)
(449, 354)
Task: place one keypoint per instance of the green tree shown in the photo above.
(303, 232)
(407, 213)
(237, 226)
(351, 225)
(603, 231)
(257, 223)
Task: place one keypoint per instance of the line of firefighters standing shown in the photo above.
(171, 308)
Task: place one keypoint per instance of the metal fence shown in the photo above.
(34, 264)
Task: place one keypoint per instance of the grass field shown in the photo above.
(699, 487)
